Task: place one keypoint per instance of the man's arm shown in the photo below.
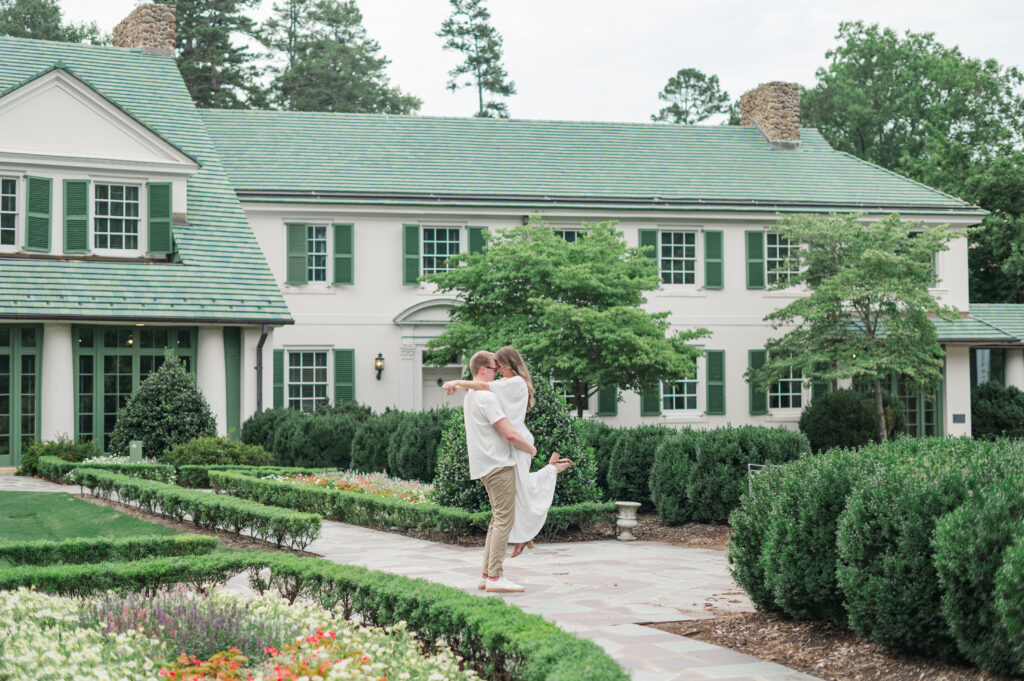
(452, 387)
(512, 435)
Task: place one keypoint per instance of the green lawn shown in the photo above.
(25, 516)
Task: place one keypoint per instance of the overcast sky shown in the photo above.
(599, 61)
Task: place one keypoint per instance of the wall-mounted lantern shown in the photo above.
(378, 364)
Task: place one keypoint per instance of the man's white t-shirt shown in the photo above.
(513, 398)
(488, 449)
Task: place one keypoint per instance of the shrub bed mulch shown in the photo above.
(821, 649)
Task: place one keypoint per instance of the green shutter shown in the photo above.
(714, 275)
(649, 237)
(343, 269)
(716, 381)
(297, 273)
(233, 379)
(160, 207)
(607, 401)
(758, 398)
(819, 388)
(410, 255)
(650, 400)
(76, 216)
(755, 259)
(476, 239)
(37, 223)
(344, 376)
(278, 378)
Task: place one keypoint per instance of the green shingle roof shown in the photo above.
(223, 276)
(367, 157)
(1008, 318)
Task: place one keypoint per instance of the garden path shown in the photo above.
(600, 590)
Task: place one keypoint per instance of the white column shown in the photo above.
(210, 375)
(250, 339)
(57, 389)
(957, 389)
(410, 388)
(1015, 367)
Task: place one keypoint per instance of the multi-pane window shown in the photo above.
(777, 252)
(116, 217)
(678, 257)
(680, 395)
(439, 244)
(307, 379)
(316, 252)
(8, 210)
(787, 392)
(570, 235)
(564, 388)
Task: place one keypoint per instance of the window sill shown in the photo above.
(784, 415)
(680, 291)
(684, 417)
(310, 289)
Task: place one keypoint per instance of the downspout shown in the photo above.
(264, 332)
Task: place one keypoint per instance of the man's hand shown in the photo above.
(450, 387)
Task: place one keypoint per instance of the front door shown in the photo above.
(433, 396)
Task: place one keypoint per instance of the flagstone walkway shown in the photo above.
(600, 590)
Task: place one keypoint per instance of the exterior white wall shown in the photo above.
(373, 315)
(1015, 367)
(210, 376)
(957, 387)
(57, 416)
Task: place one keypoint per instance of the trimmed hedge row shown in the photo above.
(498, 639)
(909, 544)
(58, 470)
(359, 508)
(199, 476)
(102, 549)
(207, 510)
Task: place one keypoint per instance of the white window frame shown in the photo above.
(771, 275)
(560, 388)
(143, 221)
(461, 230)
(561, 231)
(19, 189)
(698, 252)
(328, 261)
(695, 409)
(328, 383)
(775, 393)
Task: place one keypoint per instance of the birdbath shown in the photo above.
(627, 519)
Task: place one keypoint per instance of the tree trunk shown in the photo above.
(880, 412)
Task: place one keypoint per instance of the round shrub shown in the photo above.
(749, 528)
(997, 411)
(629, 470)
(217, 451)
(261, 428)
(601, 438)
(412, 451)
(885, 567)
(315, 441)
(554, 430)
(166, 410)
(969, 544)
(370, 443)
(673, 461)
(1009, 599)
(360, 412)
(62, 448)
(847, 418)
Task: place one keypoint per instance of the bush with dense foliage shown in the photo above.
(554, 430)
(601, 438)
(412, 449)
(167, 409)
(749, 527)
(372, 439)
(261, 428)
(847, 418)
(207, 451)
(997, 411)
(102, 549)
(62, 448)
(199, 476)
(58, 470)
(1009, 599)
(629, 469)
(315, 441)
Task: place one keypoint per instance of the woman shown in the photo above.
(534, 491)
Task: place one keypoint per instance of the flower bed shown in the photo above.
(377, 484)
(135, 637)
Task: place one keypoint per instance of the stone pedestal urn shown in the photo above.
(627, 519)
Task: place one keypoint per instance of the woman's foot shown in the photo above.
(529, 544)
(562, 465)
(517, 549)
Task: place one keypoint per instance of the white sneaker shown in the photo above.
(502, 585)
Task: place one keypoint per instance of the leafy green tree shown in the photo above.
(326, 62)
(691, 96)
(572, 309)
(866, 312)
(44, 20)
(467, 30)
(915, 106)
(219, 72)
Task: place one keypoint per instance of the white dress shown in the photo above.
(534, 491)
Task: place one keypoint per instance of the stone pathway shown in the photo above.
(599, 590)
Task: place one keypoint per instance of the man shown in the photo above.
(490, 436)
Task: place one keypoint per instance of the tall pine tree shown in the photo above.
(326, 62)
(467, 30)
(218, 71)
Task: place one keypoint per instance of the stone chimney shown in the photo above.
(150, 26)
(775, 109)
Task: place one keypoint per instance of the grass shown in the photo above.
(26, 516)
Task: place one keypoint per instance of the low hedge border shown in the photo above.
(101, 549)
(498, 639)
(197, 476)
(359, 508)
(59, 470)
(207, 510)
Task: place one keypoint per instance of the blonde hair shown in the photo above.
(510, 357)
(479, 360)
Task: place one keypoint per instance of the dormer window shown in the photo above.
(116, 218)
(8, 211)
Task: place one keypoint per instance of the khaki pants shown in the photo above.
(501, 490)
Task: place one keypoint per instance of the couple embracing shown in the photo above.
(500, 450)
